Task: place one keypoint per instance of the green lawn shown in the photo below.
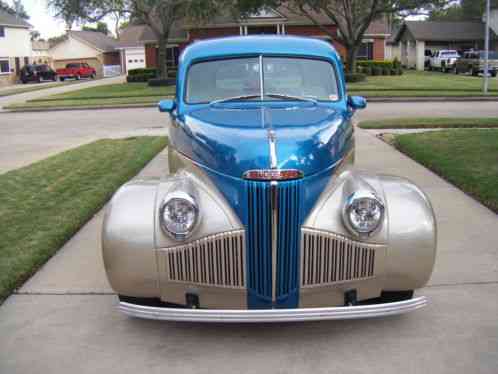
(466, 158)
(415, 83)
(44, 204)
(423, 123)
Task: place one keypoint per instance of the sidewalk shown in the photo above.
(64, 318)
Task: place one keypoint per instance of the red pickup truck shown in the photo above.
(76, 71)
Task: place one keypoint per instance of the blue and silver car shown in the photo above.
(263, 217)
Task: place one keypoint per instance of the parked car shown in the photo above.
(37, 73)
(76, 71)
(264, 218)
(473, 62)
(443, 60)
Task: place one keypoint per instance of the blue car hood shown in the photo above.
(231, 140)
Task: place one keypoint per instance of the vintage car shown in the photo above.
(262, 217)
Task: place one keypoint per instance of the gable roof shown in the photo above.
(138, 35)
(95, 39)
(7, 19)
(282, 14)
(442, 31)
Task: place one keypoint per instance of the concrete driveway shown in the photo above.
(64, 318)
(20, 98)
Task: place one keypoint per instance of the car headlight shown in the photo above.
(363, 213)
(178, 215)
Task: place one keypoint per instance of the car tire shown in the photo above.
(493, 74)
(93, 76)
(24, 81)
(77, 77)
(62, 79)
(474, 73)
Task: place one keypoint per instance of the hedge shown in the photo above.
(144, 75)
(358, 77)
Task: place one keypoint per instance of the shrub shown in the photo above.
(371, 63)
(386, 71)
(357, 77)
(367, 70)
(399, 71)
(393, 72)
(396, 63)
(141, 75)
(158, 82)
(376, 70)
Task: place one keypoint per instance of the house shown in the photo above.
(95, 48)
(40, 53)
(15, 47)
(415, 37)
(139, 48)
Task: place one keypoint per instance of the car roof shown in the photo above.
(258, 45)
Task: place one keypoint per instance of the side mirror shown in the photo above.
(357, 102)
(166, 106)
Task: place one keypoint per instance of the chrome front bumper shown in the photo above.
(272, 315)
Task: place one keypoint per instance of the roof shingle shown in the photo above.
(7, 19)
(443, 31)
(96, 39)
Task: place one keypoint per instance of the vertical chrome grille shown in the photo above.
(329, 258)
(259, 254)
(217, 260)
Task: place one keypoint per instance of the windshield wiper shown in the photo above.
(234, 98)
(292, 97)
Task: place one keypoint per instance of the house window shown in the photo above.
(262, 30)
(4, 66)
(2, 32)
(366, 51)
(172, 54)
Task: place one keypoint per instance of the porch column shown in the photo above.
(420, 55)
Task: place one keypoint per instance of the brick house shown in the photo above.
(138, 44)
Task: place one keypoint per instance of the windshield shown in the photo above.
(283, 78)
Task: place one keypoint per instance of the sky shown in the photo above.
(43, 21)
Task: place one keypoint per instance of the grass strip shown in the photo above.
(425, 123)
(466, 158)
(46, 203)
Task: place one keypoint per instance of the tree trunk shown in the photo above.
(161, 57)
(352, 52)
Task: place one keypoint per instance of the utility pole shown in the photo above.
(486, 48)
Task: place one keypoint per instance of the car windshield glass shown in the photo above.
(446, 54)
(283, 78)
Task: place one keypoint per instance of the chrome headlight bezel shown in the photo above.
(190, 200)
(351, 202)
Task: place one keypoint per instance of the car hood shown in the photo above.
(232, 140)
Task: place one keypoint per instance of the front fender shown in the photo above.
(408, 233)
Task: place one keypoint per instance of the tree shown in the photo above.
(159, 15)
(353, 17)
(464, 10)
(35, 35)
(101, 27)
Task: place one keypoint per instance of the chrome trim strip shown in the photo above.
(274, 237)
(261, 79)
(273, 315)
(273, 149)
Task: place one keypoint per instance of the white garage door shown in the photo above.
(135, 58)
